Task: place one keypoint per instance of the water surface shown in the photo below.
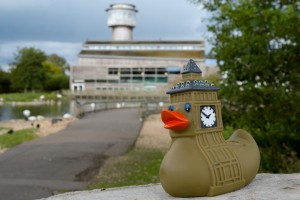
(57, 109)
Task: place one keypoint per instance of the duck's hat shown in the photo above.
(192, 80)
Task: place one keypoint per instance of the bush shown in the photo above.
(57, 82)
(259, 63)
(5, 82)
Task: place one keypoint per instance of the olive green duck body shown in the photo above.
(207, 165)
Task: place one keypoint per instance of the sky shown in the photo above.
(62, 26)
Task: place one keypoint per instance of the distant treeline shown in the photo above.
(33, 70)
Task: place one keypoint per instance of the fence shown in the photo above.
(147, 102)
(145, 107)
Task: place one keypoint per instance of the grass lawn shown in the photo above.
(26, 97)
(18, 137)
(137, 167)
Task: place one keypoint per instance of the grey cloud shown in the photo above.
(66, 21)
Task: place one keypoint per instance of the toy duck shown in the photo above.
(200, 162)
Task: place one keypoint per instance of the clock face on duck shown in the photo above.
(208, 117)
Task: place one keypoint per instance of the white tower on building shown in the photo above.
(121, 18)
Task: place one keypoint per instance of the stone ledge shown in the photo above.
(264, 186)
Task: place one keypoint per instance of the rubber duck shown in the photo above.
(200, 162)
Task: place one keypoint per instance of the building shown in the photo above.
(126, 64)
(121, 19)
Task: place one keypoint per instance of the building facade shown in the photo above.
(125, 64)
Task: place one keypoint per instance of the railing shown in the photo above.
(120, 95)
(147, 102)
(145, 107)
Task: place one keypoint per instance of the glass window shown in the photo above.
(161, 70)
(173, 70)
(163, 79)
(149, 79)
(137, 71)
(125, 71)
(125, 79)
(113, 71)
(149, 70)
(113, 81)
(90, 80)
(137, 79)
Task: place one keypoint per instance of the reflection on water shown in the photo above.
(58, 109)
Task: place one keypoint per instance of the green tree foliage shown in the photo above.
(27, 70)
(58, 61)
(54, 67)
(5, 81)
(57, 82)
(257, 47)
(32, 69)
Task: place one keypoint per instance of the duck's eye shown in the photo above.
(187, 107)
(171, 108)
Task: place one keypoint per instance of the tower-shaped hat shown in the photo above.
(192, 80)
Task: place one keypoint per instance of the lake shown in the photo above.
(8, 111)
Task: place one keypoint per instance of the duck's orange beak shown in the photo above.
(174, 120)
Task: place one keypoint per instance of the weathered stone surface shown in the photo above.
(264, 186)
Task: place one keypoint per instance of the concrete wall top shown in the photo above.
(264, 186)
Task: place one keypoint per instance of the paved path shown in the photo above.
(66, 160)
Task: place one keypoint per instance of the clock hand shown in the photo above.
(204, 114)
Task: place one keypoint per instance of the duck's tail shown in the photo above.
(241, 136)
(247, 152)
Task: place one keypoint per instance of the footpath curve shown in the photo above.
(68, 159)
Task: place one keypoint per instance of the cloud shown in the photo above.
(168, 20)
(61, 26)
(61, 20)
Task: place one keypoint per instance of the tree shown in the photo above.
(58, 61)
(257, 47)
(5, 81)
(32, 69)
(27, 70)
(54, 67)
(57, 82)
